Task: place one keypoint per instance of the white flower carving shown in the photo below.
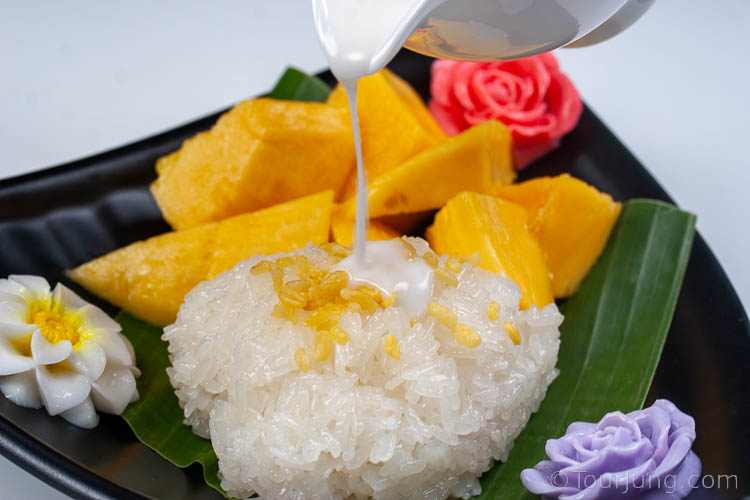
(60, 352)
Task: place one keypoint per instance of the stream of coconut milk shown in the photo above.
(359, 38)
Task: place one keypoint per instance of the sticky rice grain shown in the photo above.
(362, 424)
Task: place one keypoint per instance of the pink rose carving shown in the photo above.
(531, 96)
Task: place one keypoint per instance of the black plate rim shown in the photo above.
(55, 469)
(77, 481)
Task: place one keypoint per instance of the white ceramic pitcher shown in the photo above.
(505, 29)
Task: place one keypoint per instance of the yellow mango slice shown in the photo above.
(475, 160)
(415, 103)
(394, 122)
(260, 153)
(150, 278)
(496, 230)
(572, 222)
(280, 228)
(342, 229)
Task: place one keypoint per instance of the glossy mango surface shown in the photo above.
(476, 160)
(497, 231)
(260, 153)
(572, 222)
(150, 278)
(395, 123)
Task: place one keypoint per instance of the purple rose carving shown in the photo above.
(645, 454)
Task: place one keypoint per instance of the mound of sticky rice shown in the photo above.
(398, 407)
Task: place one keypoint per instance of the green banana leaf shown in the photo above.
(612, 337)
(156, 418)
(295, 85)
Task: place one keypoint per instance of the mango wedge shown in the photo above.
(394, 121)
(572, 222)
(342, 229)
(496, 230)
(281, 228)
(475, 160)
(260, 153)
(150, 278)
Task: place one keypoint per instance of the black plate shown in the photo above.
(58, 218)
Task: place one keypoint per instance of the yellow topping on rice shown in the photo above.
(493, 311)
(336, 250)
(445, 316)
(282, 311)
(338, 335)
(325, 317)
(512, 332)
(466, 336)
(318, 298)
(294, 293)
(463, 334)
(330, 285)
(391, 347)
(277, 275)
(362, 297)
(446, 277)
(389, 300)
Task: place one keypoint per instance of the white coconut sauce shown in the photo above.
(360, 37)
(360, 224)
(387, 268)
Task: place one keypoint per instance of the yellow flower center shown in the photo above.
(54, 322)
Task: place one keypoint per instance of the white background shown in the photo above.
(80, 77)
